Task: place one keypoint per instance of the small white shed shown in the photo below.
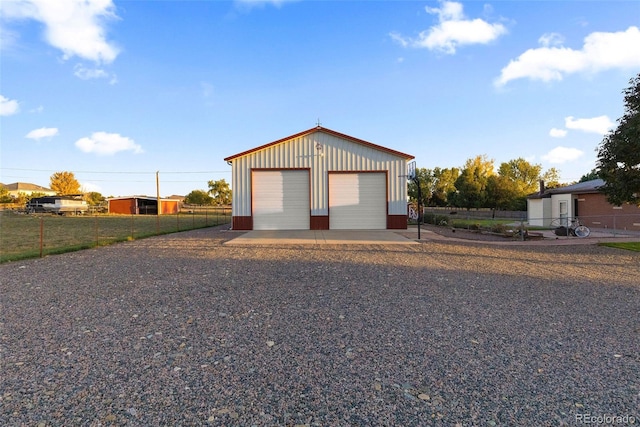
(319, 179)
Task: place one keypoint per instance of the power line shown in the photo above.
(129, 180)
(117, 172)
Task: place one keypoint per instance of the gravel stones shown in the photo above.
(176, 330)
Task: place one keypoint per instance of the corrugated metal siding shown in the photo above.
(337, 154)
(122, 206)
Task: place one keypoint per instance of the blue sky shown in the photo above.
(117, 90)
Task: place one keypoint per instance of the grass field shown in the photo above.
(631, 246)
(28, 236)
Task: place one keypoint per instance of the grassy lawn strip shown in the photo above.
(21, 236)
(630, 246)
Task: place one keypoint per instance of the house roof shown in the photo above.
(25, 186)
(324, 130)
(585, 187)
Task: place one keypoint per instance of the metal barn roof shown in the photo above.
(325, 130)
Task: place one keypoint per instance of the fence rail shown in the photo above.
(626, 224)
(475, 213)
(622, 225)
(32, 235)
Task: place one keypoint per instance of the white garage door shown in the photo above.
(280, 200)
(358, 201)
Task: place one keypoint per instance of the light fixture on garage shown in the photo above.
(319, 149)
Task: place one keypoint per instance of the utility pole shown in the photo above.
(158, 202)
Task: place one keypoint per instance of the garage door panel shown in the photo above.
(357, 201)
(280, 200)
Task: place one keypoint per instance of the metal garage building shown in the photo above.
(319, 179)
(142, 205)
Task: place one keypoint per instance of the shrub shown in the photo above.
(498, 228)
(442, 220)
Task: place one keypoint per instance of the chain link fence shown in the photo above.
(517, 222)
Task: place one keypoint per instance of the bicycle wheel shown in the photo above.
(582, 231)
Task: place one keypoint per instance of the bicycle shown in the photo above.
(413, 214)
(575, 228)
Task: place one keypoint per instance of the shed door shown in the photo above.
(280, 200)
(358, 201)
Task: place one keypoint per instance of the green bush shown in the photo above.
(429, 218)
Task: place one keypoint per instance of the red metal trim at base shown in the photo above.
(319, 222)
(396, 222)
(242, 223)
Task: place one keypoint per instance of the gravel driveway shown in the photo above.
(180, 330)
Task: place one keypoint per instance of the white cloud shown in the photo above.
(8, 38)
(38, 134)
(551, 39)
(76, 27)
(103, 143)
(557, 133)
(601, 51)
(402, 41)
(8, 106)
(562, 155)
(600, 125)
(85, 73)
(453, 30)
(249, 4)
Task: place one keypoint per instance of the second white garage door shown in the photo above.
(280, 200)
(357, 201)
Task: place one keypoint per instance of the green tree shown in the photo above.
(23, 198)
(444, 185)
(220, 191)
(551, 178)
(5, 197)
(503, 193)
(515, 180)
(619, 153)
(64, 183)
(93, 198)
(426, 179)
(523, 174)
(589, 176)
(471, 185)
(198, 197)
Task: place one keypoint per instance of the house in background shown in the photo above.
(142, 205)
(27, 189)
(319, 179)
(557, 206)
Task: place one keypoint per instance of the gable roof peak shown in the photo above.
(315, 129)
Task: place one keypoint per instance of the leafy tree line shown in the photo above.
(219, 194)
(478, 185)
(65, 184)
